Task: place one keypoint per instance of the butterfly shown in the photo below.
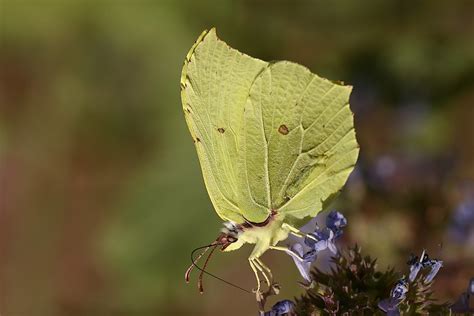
(276, 143)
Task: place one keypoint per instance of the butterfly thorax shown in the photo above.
(263, 235)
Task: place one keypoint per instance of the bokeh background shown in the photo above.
(101, 194)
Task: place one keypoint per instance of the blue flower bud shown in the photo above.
(281, 308)
(335, 221)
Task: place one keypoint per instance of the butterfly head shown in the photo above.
(230, 234)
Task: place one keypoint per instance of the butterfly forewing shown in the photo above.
(215, 83)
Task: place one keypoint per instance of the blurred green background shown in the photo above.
(101, 194)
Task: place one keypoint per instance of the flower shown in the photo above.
(390, 307)
(435, 265)
(424, 262)
(305, 253)
(398, 294)
(414, 269)
(321, 239)
(281, 308)
(400, 290)
(416, 264)
(302, 261)
(336, 221)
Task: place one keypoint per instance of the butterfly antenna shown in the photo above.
(188, 271)
(194, 261)
(200, 286)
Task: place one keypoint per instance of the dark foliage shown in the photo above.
(354, 286)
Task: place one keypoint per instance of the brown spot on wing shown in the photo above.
(283, 129)
(221, 130)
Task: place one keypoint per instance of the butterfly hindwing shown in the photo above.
(306, 144)
(269, 136)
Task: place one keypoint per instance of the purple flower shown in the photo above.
(306, 252)
(336, 221)
(310, 256)
(393, 312)
(321, 239)
(400, 290)
(435, 265)
(281, 308)
(424, 262)
(398, 294)
(414, 269)
(302, 261)
(416, 264)
(389, 306)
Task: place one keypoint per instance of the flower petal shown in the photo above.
(435, 266)
(303, 266)
(310, 256)
(389, 305)
(332, 247)
(414, 270)
(319, 238)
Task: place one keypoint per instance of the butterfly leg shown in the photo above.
(288, 251)
(267, 270)
(258, 264)
(273, 288)
(254, 269)
(297, 232)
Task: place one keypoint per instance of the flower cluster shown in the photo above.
(354, 286)
(305, 253)
(400, 290)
